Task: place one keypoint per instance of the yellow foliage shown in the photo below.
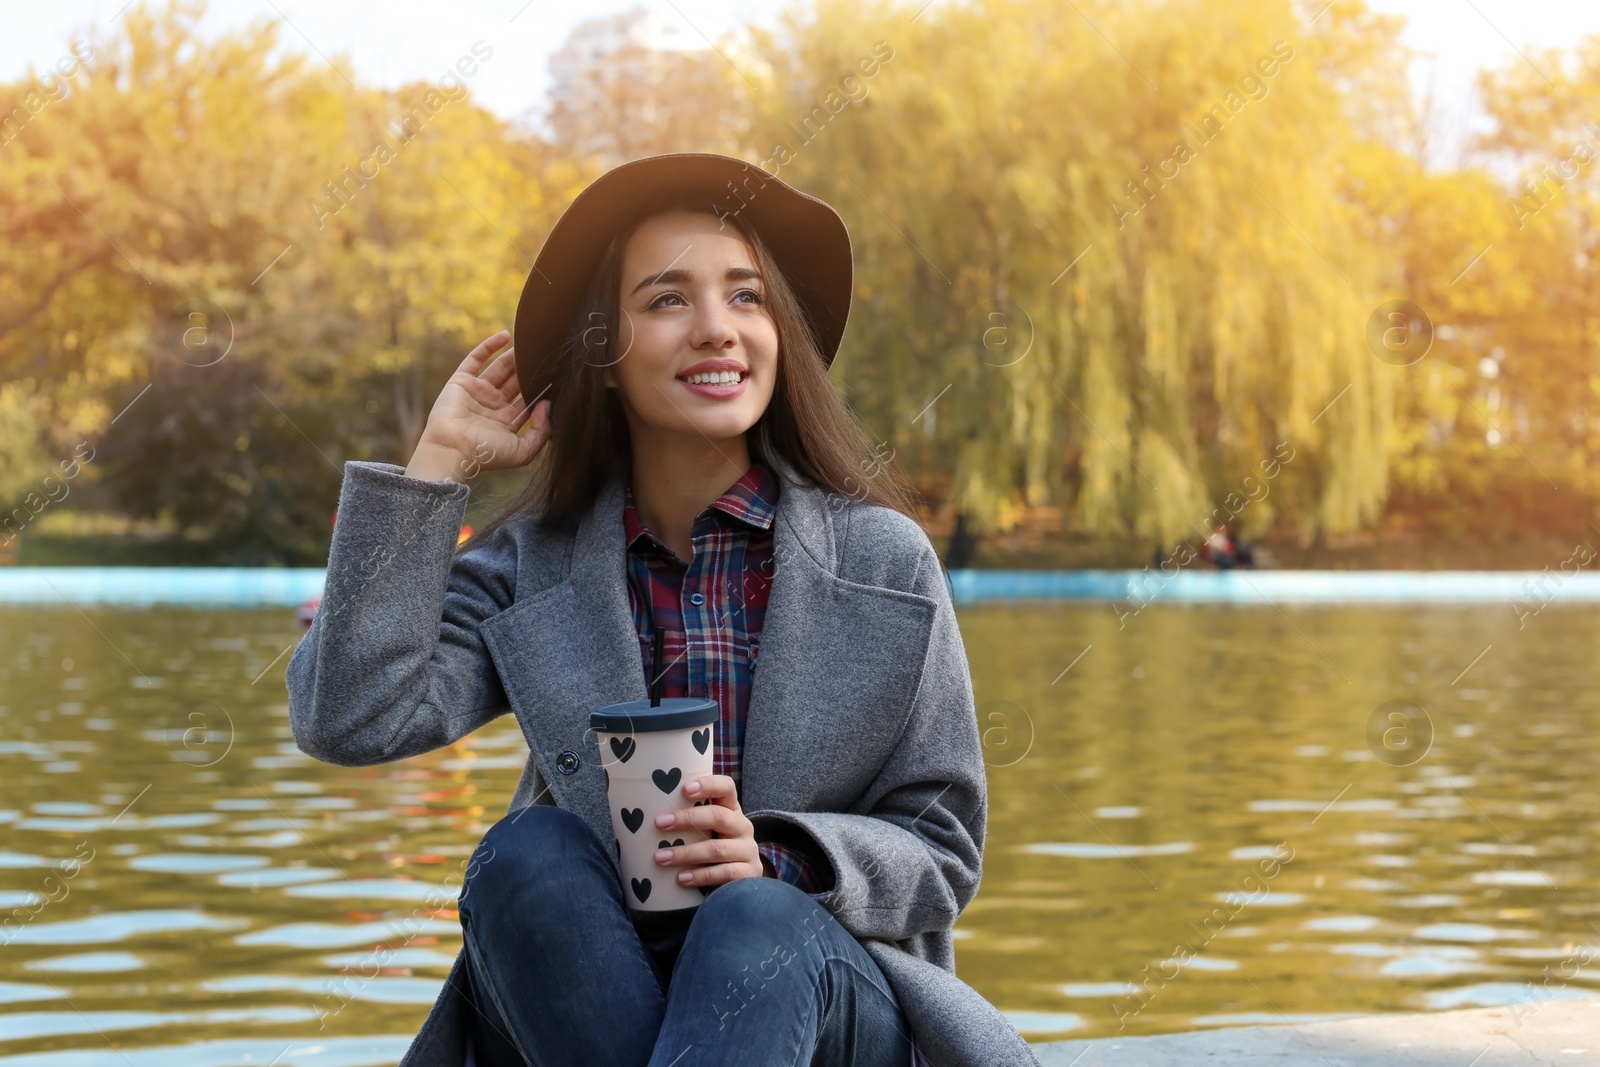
(1131, 272)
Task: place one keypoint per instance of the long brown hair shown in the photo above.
(807, 422)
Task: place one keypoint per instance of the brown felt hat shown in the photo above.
(805, 235)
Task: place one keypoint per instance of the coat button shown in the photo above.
(567, 762)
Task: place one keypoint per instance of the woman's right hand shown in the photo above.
(475, 423)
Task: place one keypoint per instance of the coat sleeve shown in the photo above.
(909, 858)
(393, 664)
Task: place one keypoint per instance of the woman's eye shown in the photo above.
(756, 297)
(657, 302)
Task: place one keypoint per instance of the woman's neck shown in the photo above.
(674, 480)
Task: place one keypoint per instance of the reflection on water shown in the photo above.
(1124, 879)
(1188, 827)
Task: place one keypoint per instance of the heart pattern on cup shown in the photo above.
(667, 780)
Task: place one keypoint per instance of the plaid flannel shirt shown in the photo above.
(711, 610)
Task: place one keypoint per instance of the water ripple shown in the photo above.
(299, 1052)
(1095, 850)
(117, 926)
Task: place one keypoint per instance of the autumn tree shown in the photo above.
(1103, 257)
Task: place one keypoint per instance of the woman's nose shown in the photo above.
(713, 327)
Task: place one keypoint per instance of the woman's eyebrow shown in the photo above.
(666, 277)
(678, 274)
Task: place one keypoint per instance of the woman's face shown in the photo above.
(699, 347)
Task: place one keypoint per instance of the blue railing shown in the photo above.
(146, 586)
(289, 587)
(1277, 587)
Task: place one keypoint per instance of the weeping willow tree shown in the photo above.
(1105, 260)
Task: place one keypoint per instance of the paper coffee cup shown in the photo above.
(648, 754)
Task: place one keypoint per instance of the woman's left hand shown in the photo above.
(731, 853)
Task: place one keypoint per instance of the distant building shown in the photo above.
(633, 37)
(644, 82)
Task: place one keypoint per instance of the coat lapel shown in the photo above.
(568, 649)
(564, 650)
(840, 662)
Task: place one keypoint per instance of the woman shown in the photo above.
(697, 474)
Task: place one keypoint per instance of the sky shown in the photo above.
(1455, 39)
(389, 42)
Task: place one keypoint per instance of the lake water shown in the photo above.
(1208, 816)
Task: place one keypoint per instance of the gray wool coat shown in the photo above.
(861, 730)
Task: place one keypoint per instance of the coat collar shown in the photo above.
(566, 649)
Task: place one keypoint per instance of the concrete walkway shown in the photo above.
(1559, 1032)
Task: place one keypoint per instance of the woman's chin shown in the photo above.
(697, 431)
(722, 429)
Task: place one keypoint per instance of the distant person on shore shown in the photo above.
(1227, 552)
(1244, 554)
(1219, 549)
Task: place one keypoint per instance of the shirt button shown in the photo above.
(696, 599)
(567, 762)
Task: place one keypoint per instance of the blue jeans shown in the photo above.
(563, 973)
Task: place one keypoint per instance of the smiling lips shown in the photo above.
(717, 379)
(719, 389)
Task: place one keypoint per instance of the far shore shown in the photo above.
(1017, 551)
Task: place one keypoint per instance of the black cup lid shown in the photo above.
(638, 717)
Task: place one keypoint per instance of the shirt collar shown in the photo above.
(753, 500)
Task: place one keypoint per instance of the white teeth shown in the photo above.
(726, 377)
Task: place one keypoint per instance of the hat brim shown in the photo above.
(805, 235)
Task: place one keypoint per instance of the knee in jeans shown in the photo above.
(518, 849)
(759, 906)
